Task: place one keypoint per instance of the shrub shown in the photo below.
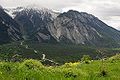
(7, 67)
(68, 65)
(16, 58)
(86, 59)
(70, 74)
(48, 62)
(103, 73)
(114, 58)
(32, 64)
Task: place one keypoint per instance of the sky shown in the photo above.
(106, 10)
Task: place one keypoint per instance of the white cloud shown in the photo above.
(106, 10)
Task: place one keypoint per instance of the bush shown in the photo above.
(16, 58)
(70, 74)
(86, 59)
(114, 58)
(103, 73)
(71, 65)
(32, 64)
(7, 67)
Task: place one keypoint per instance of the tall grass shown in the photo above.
(34, 70)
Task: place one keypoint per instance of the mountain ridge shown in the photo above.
(9, 28)
(44, 25)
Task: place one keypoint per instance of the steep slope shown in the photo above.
(44, 25)
(9, 29)
(34, 23)
(13, 11)
(83, 28)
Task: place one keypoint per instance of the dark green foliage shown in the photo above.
(103, 73)
(16, 58)
(69, 75)
(59, 53)
(48, 62)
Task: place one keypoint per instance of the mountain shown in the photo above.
(34, 22)
(9, 28)
(83, 28)
(13, 11)
(44, 25)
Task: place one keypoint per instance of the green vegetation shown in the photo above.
(34, 70)
(69, 62)
(86, 59)
(60, 53)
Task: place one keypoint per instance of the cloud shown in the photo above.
(46, 3)
(106, 10)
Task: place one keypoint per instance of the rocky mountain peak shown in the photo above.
(45, 25)
(82, 28)
(9, 28)
(30, 9)
(13, 11)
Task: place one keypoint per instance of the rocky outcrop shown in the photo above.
(82, 28)
(9, 29)
(44, 25)
(34, 24)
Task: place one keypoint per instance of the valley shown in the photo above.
(39, 43)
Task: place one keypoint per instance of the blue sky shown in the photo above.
(107, 10)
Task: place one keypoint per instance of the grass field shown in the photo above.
(71, 66)
(34, 70)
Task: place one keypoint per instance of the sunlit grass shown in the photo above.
(34, 70)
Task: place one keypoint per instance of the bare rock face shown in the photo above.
(82, 28)
(44, 25)
(34, 22)
(13, 11)
(9, 29)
